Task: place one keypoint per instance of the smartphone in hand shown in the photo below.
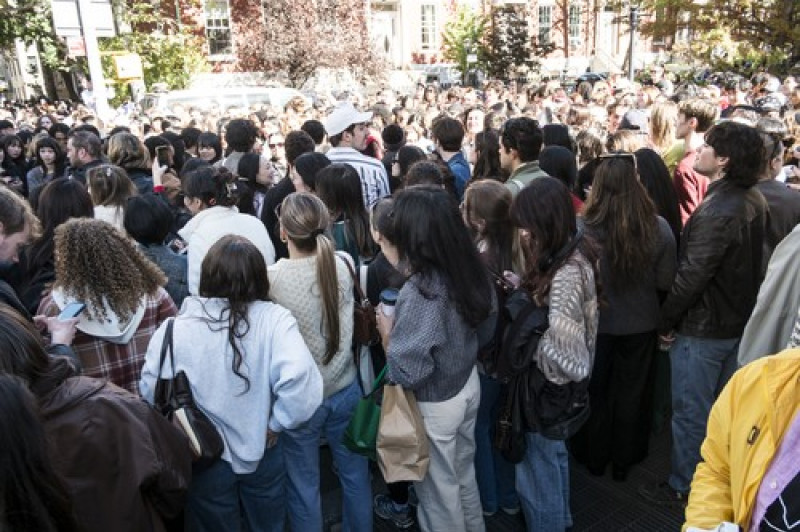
(162, 154)
(72, 310)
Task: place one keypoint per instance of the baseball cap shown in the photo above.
(635, 119)
(344, 116)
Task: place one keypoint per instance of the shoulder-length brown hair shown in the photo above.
(234, 269)
(127, 151)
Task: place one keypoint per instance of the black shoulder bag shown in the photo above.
(173, 399)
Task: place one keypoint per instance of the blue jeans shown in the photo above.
(543, 485)
(700, 369)
(219, 499)
(301, 450)
(494, 473)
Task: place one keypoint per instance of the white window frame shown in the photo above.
(545, 24)
(217, 15)
(574, 21)
(428, 38)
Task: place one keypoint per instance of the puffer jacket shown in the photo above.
(125, 466)
(720, 266)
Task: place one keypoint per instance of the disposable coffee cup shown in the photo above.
(388, 301)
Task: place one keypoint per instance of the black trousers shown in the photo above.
(620, 391)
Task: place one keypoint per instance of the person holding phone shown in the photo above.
(100, 266)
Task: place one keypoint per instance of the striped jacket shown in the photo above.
(374, 181)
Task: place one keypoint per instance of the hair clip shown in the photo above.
(108, 171)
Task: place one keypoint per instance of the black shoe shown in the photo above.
(663, 494)
(619, 473)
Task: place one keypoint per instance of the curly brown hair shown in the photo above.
(98, 265)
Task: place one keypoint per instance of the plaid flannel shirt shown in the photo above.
(120, 364)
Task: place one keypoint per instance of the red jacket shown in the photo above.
(690, 186)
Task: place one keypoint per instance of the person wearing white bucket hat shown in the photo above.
(347, 132)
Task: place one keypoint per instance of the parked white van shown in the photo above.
(220, 98)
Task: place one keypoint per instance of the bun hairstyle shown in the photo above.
(213, 186)
(305, 219)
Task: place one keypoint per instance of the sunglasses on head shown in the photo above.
(624, 155)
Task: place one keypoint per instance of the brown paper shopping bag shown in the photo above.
(402, 442)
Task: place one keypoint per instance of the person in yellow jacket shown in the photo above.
(753, 415)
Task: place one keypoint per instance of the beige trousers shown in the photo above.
(449, 500)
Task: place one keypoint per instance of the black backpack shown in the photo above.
(530, 402)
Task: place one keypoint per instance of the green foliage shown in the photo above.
(730, 33)
(31, 21)
(169, 54)
(462, 36)
(510, 50)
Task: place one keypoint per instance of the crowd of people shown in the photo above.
(655, 221)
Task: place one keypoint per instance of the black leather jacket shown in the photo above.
(720, 267)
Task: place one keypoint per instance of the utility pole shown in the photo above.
(93, 57)
(634, 22)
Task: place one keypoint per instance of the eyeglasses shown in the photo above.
(626, 156)
(278, 145)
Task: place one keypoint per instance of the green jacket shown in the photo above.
(524, 174)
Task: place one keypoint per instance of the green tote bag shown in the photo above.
(362, 431)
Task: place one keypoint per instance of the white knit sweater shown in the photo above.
(293, 284)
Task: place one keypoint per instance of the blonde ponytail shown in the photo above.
(328, 282)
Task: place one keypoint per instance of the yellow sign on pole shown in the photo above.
(128, 66)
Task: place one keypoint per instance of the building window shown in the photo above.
(545, 23)
(574, 22)
(218, 27)
(428, 25)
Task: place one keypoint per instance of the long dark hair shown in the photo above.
(431, 238)
(623, 217)
(32, 497)
(60, 200)
(487, 164)
(656, 179)
(544, 209)
(235, 270)
(339, 187)
(489, 202)
(559, 162)
(248, 168)
(60, 162)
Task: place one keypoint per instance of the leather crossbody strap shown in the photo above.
(166, 345)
